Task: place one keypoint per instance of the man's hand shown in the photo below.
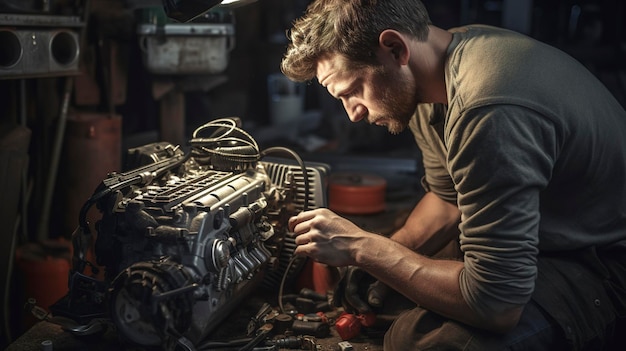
(376, 293)
(356, 284)
(327, 237)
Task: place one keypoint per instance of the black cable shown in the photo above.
(214, 344)
(228, 141)
(289, 152)
(298, 159)
(282, 283)
(82, 216)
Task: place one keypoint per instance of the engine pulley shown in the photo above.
(147, 303)
(217, 255)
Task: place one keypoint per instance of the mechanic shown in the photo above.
(524, 152)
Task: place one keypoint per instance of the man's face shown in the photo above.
(383, 96)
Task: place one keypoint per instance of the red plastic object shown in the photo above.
(367, 319)
(348, 326)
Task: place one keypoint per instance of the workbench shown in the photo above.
(44, 332)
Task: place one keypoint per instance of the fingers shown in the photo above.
(305, 249)
(376, 293)
(297, 225)
(302, 225)
(305, 237)
(320, 236)
(300, 218)
(359, 305)
(351, 293)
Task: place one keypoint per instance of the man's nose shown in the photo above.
(355, 112)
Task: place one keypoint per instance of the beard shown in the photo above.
(398, 100)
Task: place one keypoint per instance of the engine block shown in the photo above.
(183, 241)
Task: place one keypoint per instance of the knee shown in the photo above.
(416, 329)
(397, 337)
(420, 329)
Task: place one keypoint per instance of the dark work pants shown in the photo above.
(420, 329)
(573, 308)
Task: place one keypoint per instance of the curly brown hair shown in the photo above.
(350, 28)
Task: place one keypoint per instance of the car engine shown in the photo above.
(185, 237)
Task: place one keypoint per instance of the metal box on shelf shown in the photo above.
(39, 45)
(194, 48)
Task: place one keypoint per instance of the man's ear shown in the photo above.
(392, 42)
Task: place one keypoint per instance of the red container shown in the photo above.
(42, 277)
(91, 151)
(356, 193)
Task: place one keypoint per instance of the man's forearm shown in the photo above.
(432, 224)
(431, 283)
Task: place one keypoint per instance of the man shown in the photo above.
(525, 167)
